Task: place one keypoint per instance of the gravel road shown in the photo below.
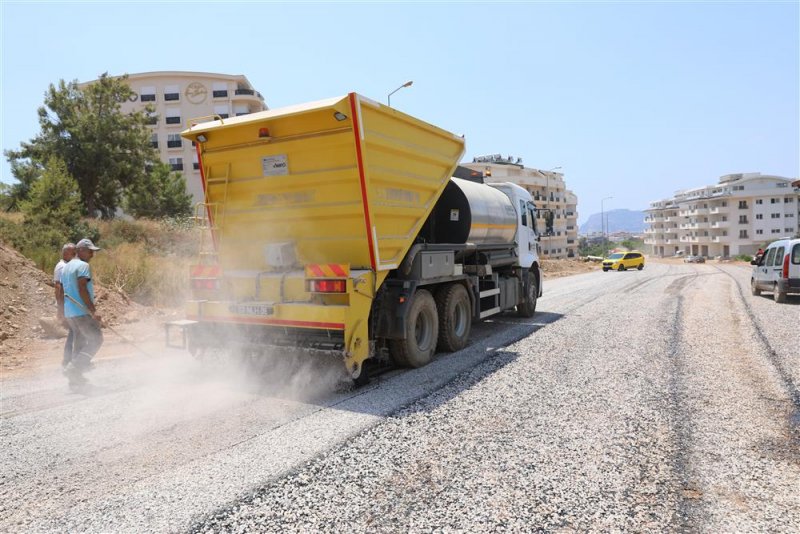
(665, 399)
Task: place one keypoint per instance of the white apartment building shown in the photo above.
(548, 190)
(179, 97)
(737, 216)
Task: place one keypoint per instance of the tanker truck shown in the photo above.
(346, 226)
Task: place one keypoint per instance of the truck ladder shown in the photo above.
(211, 215)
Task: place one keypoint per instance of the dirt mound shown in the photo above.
(27, 304)
(565, 267)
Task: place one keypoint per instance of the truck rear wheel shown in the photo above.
(455, 317)
(528, 305)
(422, 333)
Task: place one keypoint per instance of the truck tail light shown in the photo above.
(205, 283)
(327, 286)
(786, 266)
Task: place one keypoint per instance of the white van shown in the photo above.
(778, 270)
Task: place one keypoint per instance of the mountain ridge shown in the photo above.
(618, 220)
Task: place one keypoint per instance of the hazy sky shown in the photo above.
(632, 100)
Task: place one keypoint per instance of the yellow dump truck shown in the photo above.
(341, 225)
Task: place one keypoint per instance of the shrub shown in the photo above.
(744, 257)
(148, 279)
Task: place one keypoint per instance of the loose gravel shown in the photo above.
(665, 414)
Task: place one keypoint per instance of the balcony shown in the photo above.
(689, 226)
(719, 224)
(174, 144)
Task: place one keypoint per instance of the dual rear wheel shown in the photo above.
(443, 322)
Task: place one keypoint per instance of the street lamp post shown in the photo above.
(389, 96)
(602, 223)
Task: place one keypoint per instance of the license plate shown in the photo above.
(253, 308)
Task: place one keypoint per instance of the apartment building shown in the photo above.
(548, 189)
(736, 216)
(180, 96)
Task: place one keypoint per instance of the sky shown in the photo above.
(633, 100)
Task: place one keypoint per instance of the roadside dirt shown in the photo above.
(567, 267)
(27, 309)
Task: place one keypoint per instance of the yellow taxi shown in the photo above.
(621, 261)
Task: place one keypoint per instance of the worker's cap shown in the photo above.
(86, 243)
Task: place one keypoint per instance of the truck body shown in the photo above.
(338, 225)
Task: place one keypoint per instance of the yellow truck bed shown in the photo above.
(331, 190)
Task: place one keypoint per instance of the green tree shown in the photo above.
(54, 199)
(105, 150)
(26, 173)
(161, 194)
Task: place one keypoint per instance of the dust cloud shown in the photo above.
(134, 405)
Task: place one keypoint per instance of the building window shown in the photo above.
(173, 115)
(759, 232)
(738, 188)
(172, 93)
(174, 141)
(154, 140)
(788, 200)
(222, 111)
(776, 216)
(151, 119)
(759, 201)
(759, 216)
(776, 230)
(787, 215)
(742, 204)
(782, 184)
(742, 219)
(788, 230)
(742, 234)
(176, 163)
(219, 90)
(173, 120)
(147, 94)
(774, 200)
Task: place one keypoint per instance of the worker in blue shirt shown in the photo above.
(79, 309)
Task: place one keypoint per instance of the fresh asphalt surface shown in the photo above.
(665, 399)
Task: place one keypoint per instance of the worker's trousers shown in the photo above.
(88, 339)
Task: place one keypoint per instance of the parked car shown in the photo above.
(778, 270)
(620, 261)
(694, 259)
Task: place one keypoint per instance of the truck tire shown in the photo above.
(455, 317)
(528, 305)
(422, 333)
